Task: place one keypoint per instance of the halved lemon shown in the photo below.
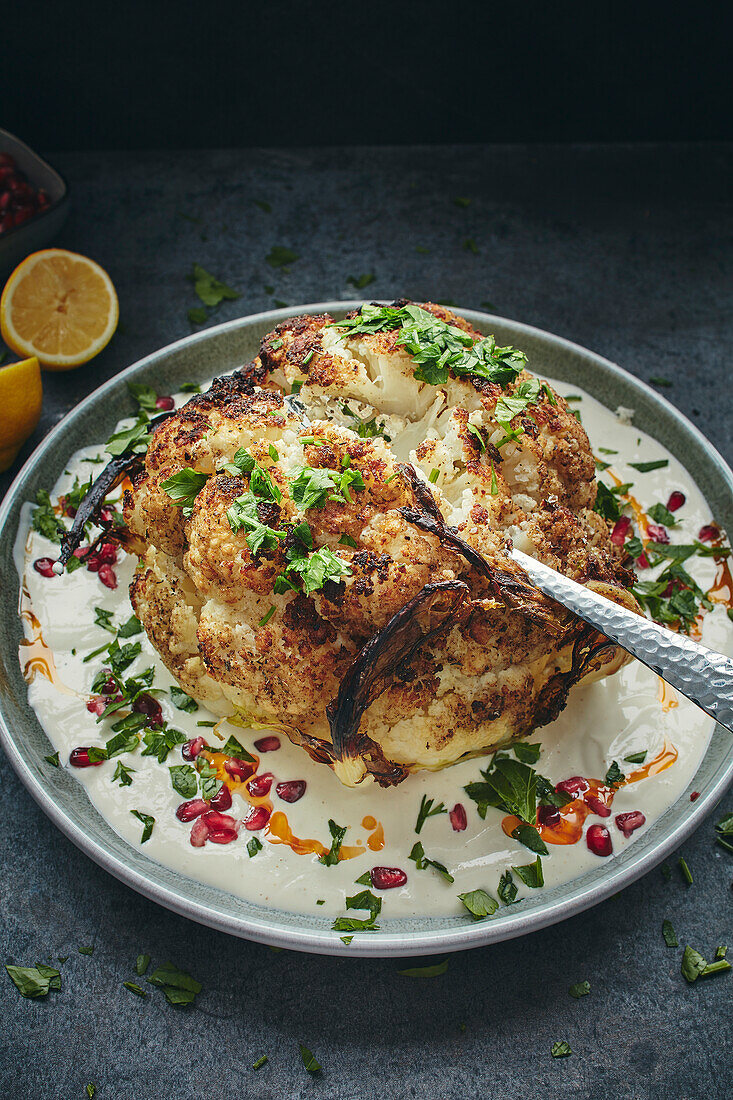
(21, 395)
(60, 307)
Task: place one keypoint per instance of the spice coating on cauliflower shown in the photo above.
(288, 516)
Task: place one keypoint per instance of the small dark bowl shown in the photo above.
(19, 242)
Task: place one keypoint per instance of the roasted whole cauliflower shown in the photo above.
(322, 540)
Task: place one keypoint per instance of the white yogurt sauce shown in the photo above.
(602, 722)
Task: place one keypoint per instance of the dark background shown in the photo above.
(84, 75)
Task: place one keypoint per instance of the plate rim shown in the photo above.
(382, 944)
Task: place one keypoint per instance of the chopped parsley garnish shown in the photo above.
(365, 429)
(147, 822)
(647, 467)
(309, 1060)
(579, 989)
(723, 829)
(656, 381)
(209, 289)
(145, 396)
(141, 964)
(614, 775)
(470, 245)
(434, 475)
(123, 775)
(314, 485)
(507, 890)
(179, 987)
(87, 950)
(636, 757)
(44, 519)
(686, 872)
(670, 936)
(422, 862)
(433, 970)
(314, 570)
(428, 809)
(53, 759)
(243, 513)
(528, 754)
(561, 1049)
(260, 1062)
(364, 900)
(360, 281)
(462, 202)
(183, 488)
(661, 514)
(233, 748)
(479, 904)
(254, 846)
(331, 857)
(136, 989)
(346, 540)
(695, 966)
(531, 873)
(34, 981)
(267, 616)
(606, 504)
(278, 256)
(184, 779)
(530, 838)
(477, 435)
(364, 880)
(133, 438)
(182, 701)
(509, 785)
(197, 315)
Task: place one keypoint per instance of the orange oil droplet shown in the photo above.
(663, 760)
(369, 822)
(35, 656)
(278, 831)
(376, 841)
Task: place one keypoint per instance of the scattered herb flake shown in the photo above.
(647, 467)
(209, 289)
(561, 1049)
(33, 981)
(636, 757)
(309, 1060)
(686, 872)
(254, 846)
(434, 970)
(579, 989)
(428, 809)
(422, 862)
(136, 989)
(338, 832)
(141, 964)
(360, 281)
(479, 903)
(89, 950)
(278, 256)
(261, 1061)
(53, 759)
(178, 986)
(147, 822)
(670, 936)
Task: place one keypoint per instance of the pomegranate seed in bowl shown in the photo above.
(627, 823)
(146, 704)
(458, 818)
(44, 566)
(187, 811)
(192, 748)
(259, 785)
(165, 404)
(222, 800)
(387, 878)
(199, 833)
(256, 819)
(291, 791)
(676, 500)
(107, 576)
(708, 533)
(79, 758)
(238, 769)
(574, 786)
(620, 531)
(657, 533)
(267, 744)
(598, 840)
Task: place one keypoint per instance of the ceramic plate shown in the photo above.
(220, 349)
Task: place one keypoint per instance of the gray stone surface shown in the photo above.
(626, 250)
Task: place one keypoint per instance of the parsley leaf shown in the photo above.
(319, 567)
(647, 467)
(670, 936)
(309, 1060)
(636, 757)
(479, 904)
(183, 701)
(184, 780)
(422, 862)
(528, 754)
(122, 774)
(561, 1049)
(434, 970)
(34, 981)
(428, 809)
(209, 289)
(360, 281)
(580, 989)
(254, 846)
(145, 396)
(278, 256)
(179, 987)
(661, 514)
(184, 487)
(614, 775)
(141, 964)
(44, 519)
(531, 873)
(509, 785)
(507, 888)
(530, 838)
(364, 900)
(331, 858)
(147, 821)
(234, 748)
(129, 439)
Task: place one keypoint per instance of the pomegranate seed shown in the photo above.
(259, 785)
(657, 533)
(92, 562)
(256, 819)
(44, 566)
(547, 815)
(620, 531)
(387, 878)
(215, 820)
(221, 836)
(187, 811)
(107, 553)
(291, 791)
(107, 576)
(668, 590)
(69, 510)
(192, 748)
(709, 533)
(458, 818)
(97, 705)
(146, 704)
(598, 840)
(199, 833)
(238, 769)
(109, 687)
(642, 562)
(630, 821)
(222, 800)
(574, 786)
(597, 806)
(165, 404)
(79, 758)
(267, 744)
(81, 551)
(106, 515)
(694, 796)
(676, 500)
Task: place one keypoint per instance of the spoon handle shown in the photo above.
(704, 676)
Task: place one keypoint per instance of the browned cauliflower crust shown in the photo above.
(500, 664)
